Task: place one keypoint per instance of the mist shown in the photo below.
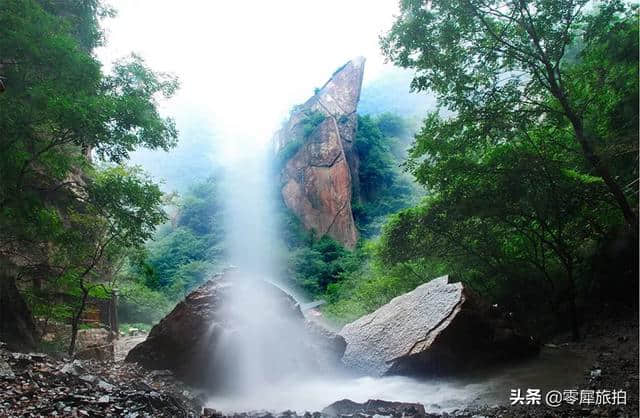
(244, 65)
(242, 68)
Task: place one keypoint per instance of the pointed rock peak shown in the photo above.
(341, 93)
(321, 165)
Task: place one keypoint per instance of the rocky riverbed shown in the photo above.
(34, 385)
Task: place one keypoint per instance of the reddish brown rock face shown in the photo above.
(317, 180)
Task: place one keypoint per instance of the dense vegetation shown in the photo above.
(535, 173)
(382, 188)
(183, 253)
(70, 210)
(523, 183)
(309, 120)
(530, 165)
(316, 264)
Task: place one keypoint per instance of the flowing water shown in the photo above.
(262, 362)
(553, 369)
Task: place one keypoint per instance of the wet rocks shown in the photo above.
(438, 328)
(74, 368)
(209, 335)
(347, 407)
(6, 372)
(39, 385)
(328, 346)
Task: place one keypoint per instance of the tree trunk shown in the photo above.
(17, 328)
(573, 311)
(603, 171)
(75, 321)
(589, 152)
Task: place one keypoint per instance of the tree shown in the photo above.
(183, 252)
(516, 219)
(59, 112)
(119, 213)
(524, 176)
(382, 187)
(503, 65)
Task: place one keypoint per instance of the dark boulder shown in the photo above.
(438, 328)
(374, 407)
(17, 328)
(229, 323)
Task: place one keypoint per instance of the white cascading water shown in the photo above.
(265, 343)
(264, 359)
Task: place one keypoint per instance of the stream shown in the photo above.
(552, 369)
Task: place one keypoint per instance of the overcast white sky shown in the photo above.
(245, 63)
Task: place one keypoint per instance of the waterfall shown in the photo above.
(265, 343)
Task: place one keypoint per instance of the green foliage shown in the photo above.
(310, 122)
(319, 267)
(184, 252)
(139, 303)
(383, 189)
(392, 125)
(57, 107)
(503, 66)
(289, 150)
(71, 220)
(520, 175)
(42, 306)
(322, 262)
(167, 253)
(373, 284)
(313, 263)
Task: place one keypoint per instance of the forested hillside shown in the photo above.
(71, 210)
(535, 177)
(530, 178)
(183, 253)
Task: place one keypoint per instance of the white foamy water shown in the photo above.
(315, 394)
(560, 369)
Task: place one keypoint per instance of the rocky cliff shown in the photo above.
(320, 167)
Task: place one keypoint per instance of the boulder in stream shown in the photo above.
(234, 328)
(438, 328)
(374, 407)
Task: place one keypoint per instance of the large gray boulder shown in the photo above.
(438, 328)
